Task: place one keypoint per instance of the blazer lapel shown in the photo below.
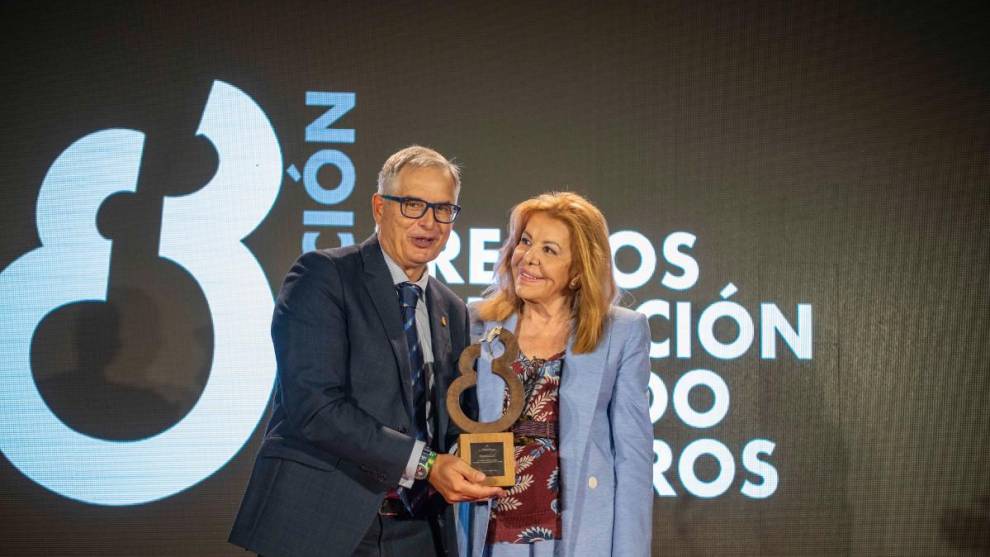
(580, 389)
(382, 293)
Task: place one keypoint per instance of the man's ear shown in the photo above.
(377, 207)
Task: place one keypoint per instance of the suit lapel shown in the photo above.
(382, 292)
(580, 389)
(440, 342)
(439, 329)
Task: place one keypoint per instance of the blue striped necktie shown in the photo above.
(415, 497)
(409, 294)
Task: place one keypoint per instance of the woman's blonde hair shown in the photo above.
(591, 263)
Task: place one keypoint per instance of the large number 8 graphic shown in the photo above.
(202, 232)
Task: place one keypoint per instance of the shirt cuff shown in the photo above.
(409, 474)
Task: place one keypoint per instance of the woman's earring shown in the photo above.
(574, 284)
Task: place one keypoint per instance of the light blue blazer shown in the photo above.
(606, 441)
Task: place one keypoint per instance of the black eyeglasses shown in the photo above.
(415, 208)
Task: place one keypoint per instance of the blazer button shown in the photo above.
(592, 482)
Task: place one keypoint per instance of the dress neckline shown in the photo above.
(555, 357)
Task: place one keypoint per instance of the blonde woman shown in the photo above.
(584, 441)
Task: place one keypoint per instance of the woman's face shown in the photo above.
(541, 261)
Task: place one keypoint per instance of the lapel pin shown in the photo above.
(443, 320)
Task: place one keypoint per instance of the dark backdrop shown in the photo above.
(828, 155)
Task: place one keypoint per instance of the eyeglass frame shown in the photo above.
(402, 199)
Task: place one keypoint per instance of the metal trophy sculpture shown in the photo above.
(488, 446)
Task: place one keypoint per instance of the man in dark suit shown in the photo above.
(354, 460)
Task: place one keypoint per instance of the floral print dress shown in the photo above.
(530, 510)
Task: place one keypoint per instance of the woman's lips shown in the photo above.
(526, 277)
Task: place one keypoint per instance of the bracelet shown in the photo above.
(426, 460)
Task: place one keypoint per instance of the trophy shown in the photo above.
(488, 446)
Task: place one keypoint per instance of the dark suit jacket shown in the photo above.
(338, 437)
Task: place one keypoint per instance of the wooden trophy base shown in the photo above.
(491, 453)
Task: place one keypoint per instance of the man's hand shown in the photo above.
(458, 482)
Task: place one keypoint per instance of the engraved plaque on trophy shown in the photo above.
(488, 446)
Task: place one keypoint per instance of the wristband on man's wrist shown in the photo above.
(426, 460)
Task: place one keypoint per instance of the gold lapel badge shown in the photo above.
(443, 320)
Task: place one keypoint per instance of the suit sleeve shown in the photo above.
(632, 435)
(309, 331)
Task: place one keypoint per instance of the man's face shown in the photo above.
(412, 243)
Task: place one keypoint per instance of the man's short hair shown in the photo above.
(416, 156)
